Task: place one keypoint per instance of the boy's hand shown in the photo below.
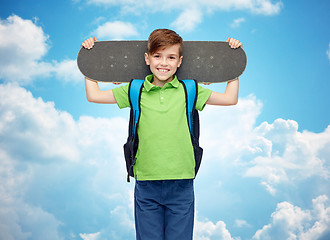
(233, 43)
(89, 43)
(206, 83)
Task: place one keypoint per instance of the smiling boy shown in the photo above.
(165, 166)
(164, 63)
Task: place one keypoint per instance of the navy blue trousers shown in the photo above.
(164, 210)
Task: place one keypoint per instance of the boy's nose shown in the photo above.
(164, 62)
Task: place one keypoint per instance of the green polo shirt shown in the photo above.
(165, 150)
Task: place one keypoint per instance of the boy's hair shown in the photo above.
(160, 39)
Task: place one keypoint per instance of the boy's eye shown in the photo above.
(172, 57)
(156, 56)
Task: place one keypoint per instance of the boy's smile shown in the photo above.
(163, 64)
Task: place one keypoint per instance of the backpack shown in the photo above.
(134, 95)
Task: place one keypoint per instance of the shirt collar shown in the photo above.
(148, 83)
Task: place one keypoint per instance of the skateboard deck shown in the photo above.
(122, 61)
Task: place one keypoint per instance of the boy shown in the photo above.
(165, 166)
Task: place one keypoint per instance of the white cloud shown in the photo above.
(122, 217)
(116, 30)
(287, 222)
(237, 22)
(328, 52)
(22, 221)
(276, 155)
(292, 222)
(19, 220)
(14, 29)
(193, 10)
(47, 133)
(90, 236)
(123, 222)
(36, 125)
(282, 154)
(23, 44)
(207, 230)
(49, 159)
(188, 20)
(241, 223)
(266, 7)
(229, 136)
(67, 71)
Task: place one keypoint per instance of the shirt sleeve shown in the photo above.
(121, 96)
(203, 96)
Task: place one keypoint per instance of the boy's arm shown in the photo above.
(229, 97)
(94, 94)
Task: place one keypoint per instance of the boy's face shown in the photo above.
(164, 63)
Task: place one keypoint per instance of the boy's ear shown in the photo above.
(146, 58)
(180, 61)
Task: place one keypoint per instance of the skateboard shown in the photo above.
(122, 61)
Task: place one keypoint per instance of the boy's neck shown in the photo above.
(161, 83)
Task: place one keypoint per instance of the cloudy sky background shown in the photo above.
(266, 167)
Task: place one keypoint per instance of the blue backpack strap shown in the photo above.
(130, 148)
(134, 94)
(191, 89)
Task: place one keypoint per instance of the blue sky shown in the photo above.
(266, 167)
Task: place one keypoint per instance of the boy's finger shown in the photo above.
(85, 44)
(90, 43)
(236, 44)
(228, 39)
(232, 42)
